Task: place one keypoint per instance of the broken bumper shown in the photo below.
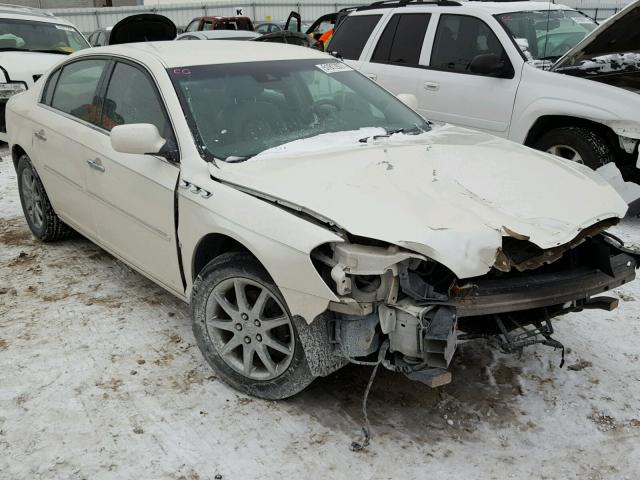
(488, 296)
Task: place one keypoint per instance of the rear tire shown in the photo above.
(42, 220)
(254, 347)
(578, 144)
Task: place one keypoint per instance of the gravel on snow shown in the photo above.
(100, 378)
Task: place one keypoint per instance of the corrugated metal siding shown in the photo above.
(89, 19)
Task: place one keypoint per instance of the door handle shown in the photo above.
(40, 135)
(96, 164)
(372, 76)
(432, 86)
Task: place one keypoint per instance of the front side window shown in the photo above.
(546, 35)
(239, 110)
(76, 90)
(264, 28)
(459, 39)
(349, 40)
(402, 39)
(193, 26)
(29, 36)
(131, 98)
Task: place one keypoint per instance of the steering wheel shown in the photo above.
(327, 101)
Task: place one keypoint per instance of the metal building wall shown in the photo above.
(89, 19)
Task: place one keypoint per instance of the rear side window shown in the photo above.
(351, 37)
(402, 39)
(76, 90)
(459, 39)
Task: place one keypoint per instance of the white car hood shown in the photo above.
(450, 194)
(608, 43)
(22, 66)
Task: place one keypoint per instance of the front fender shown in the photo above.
(281, 241)
(542, 93)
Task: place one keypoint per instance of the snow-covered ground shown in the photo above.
(100, 378)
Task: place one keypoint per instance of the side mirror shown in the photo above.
(488, 64)
(409, 99)
(137, 139)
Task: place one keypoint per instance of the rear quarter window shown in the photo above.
(352, 35)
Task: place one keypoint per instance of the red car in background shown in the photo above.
(220, 23)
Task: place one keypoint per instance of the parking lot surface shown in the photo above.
(101, 378)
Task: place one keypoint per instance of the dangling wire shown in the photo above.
(366, 429)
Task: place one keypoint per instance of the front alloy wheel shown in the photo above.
(250, 328)
(244, 329)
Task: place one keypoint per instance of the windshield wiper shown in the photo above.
(44, 50)
(415, 130)
(16, 49)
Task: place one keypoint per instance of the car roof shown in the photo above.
(27, 13)
(180, 54)
(221, 34)
(492, 8)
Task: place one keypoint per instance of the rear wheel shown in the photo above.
(245, 331)
(578, 144)
(42, 220)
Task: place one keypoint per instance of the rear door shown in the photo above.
(68, 112)
(450, 92)
(396, 59)
(133, 195)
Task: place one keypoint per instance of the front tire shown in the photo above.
(245, 330)
(578, 144)
(42, 220)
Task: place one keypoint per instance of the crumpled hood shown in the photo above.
(448, 194)
(22, 66)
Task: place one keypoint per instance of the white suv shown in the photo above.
(31, 42)
(519, 70)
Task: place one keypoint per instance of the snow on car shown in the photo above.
(310, 218)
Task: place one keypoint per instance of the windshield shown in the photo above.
(239, 110)
(21, 35)
(544, 36)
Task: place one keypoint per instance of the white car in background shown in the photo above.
(540, 74)
(310, 217)
(31, 42)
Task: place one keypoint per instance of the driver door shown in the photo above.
(450, 93)
(133, 195)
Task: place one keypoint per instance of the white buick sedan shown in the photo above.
(310, 217)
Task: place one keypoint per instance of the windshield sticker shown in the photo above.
(65, 28)
(334, 67)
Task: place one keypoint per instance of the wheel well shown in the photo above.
(16, 152)
(212, 246)
(551, 122)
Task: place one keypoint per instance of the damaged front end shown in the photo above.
(408, 312)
